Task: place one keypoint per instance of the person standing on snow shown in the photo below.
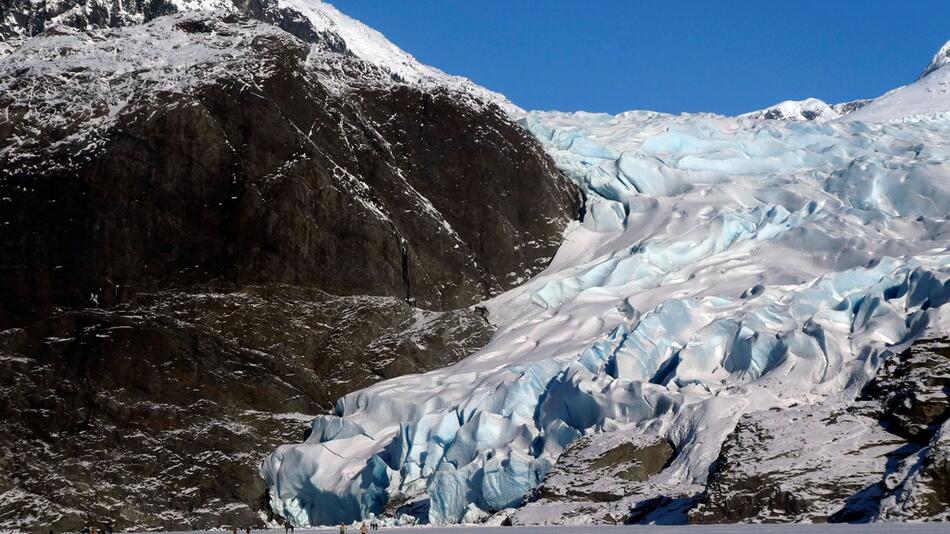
(342, 528)
(363, 529)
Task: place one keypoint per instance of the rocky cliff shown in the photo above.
(881, 457)
(213, 225)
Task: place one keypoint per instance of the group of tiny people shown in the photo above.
(288, 529)
(373, 525)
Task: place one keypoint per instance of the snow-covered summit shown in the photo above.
(796, 110)
(940, 60)
(809, 109)
(372, 46)
(928, 96)
(302, 18)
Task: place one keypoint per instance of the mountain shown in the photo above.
(927, 95)
(310, 20)
(941, 59)
(221, 217)
(806, 110)
(212, 227)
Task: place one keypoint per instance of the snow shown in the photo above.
(940, 60)
(727, 265)
(81, 83)
(797, 110)
(927, 96)
(371, 46)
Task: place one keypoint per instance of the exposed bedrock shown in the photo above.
(157, 412)
(593, 477)
(882, 456)
(210, 236)
(258, 174)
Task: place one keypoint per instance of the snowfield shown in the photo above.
(725, 265)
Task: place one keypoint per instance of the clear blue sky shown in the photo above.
(725, 56)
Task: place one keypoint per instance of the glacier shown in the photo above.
(724, 265)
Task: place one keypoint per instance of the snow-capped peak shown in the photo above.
(940, 59)
(371, 46)
(363, 42)
(809, 109)
(928, 96)
(796, 110)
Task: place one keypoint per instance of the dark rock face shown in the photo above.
(188, 235)
(502, 218)
(924, 490)
(882, 456)
(913, 390)
(276, 180)
(815, 463)
(157, 412)
(594, 475)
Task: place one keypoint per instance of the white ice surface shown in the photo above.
(725, 265)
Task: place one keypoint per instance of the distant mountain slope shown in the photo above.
(805, 110)
(929, 95)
